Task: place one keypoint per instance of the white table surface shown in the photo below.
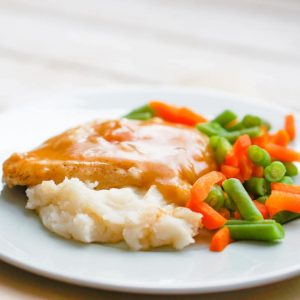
(248, 47)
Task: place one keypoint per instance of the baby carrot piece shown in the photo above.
(258, 171)
(241, 145)
(202, 187)
(281, 138)
(279, 201)
(282, 153)
(231, 159)
(263, 139)
(290, 126)
(277, 186)
(211, 218)
(175, 114)
(230, 171)
(220, 240)
(262, 209)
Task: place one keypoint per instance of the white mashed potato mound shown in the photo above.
(73, 209)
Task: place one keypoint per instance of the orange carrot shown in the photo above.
(279, 201)
(231, 160)
(277, 186)
(281, 138)
(246, 167)
(241, 145)
(290, 126)
(262, 208)
(263, 139)
(220, 240)
(282, 153)
(258, 171)
(175, 114)
(211, 218)
(229, 171)
(202, 187)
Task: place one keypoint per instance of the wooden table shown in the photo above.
(248, 47)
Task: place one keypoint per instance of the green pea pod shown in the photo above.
(225, 117)
(144, 112)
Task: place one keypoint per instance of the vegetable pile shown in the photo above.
(253, 192)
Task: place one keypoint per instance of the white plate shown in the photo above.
(26, 244)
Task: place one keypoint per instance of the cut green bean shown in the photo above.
(215, 197)
(144, 112)
(287, 180)
(259, 156)
(251, 121)
(211, 128)
(283, 217)
(247, 209)
(268, 232)
(257, 186)
(262, 199)
(244, 222)
(229, 203)
(237, 126)
(225, 117)
(222, 148)
(233, 135)
(275, 171)
(213, 141)
(291, 169)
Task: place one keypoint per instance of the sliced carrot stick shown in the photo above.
(220, 240)
(175, 114)
(262, 208)
(246, 167)
(258, 171)
(281, 138)
(277, 186)
(263, 139)
(237, 215)
(290, 126)
(279, 201)
(231, 160)
(241, 145)
(211, 218)
(282, 153)
(229, 171)
(202, 187)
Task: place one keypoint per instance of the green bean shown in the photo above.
(237, 126)
(262, 199)
(257, 186)
(291, 169)
(233, 135)
(283, 217)
(287, 180)
(144, 112)
(225, 117)
(247, 209)
(229, 203)
(244, 222)
(267, 124)
(275, 171)
(223, 147)
(211, 128)
(259, 156)
(213, 141)
(215, 197)
(251, 121)
(257, 231)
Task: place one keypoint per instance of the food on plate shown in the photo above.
(73, 209)
(159, 174)
(119, 153)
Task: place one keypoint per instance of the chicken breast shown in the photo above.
(118, 153)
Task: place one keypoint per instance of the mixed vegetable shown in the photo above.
(253, 192)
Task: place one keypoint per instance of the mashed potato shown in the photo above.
(73, 209)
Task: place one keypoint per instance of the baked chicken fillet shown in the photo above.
(118, 153)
